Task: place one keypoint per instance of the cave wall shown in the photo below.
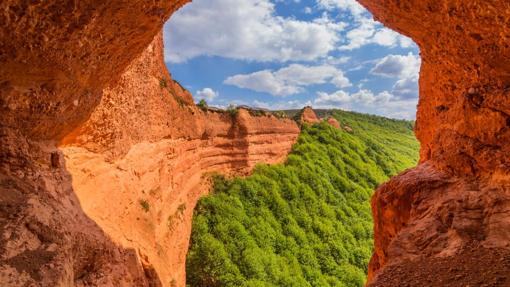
(56, 57)
(63, 102)
(457, 200)
(103, 156)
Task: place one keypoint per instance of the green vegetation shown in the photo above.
(280, 114)
(232, 110)
(202, 104)
(180, 101)
(257, 113)
(162, 83)
(144, 204)
(306, 222)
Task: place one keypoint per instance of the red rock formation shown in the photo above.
(58, 58)
(308, 116)
(145, 142)
(458, 199)
(103, 156)
(333, 122)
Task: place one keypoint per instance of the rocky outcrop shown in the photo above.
(458, 199)
(103, 156)
(308, 116)
(333, 122)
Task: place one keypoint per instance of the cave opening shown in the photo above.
(282, 56)
(103, 158)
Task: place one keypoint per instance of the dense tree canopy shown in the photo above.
(306, 222)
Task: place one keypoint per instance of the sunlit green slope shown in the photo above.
(306, 222)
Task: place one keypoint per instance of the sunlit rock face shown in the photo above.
(308, 116)
(457, 201)
(103, 156)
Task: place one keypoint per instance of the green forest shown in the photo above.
(306, 222)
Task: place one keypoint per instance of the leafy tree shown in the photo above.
(202, 104)
(306, 222)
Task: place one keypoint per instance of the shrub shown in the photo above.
(180, 101)
(202, 104)
(232, 110)
(280, 114)
(306, 222)
(162, 83)
(257, 113)
(145, 205)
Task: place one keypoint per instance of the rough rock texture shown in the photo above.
(458, 198)
(145, 144)
(102, 154)
(308, 116)
(59, 212)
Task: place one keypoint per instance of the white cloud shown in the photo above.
(363, 96)
(207, 94)
(404, 67)
(398, 66)
(337, 61)
(247, 30)
(364, 30)
(263, 81)
(289, 80)
(367, 31)
(383, 103)
(346, 5)
(307, 10)
(406, 88)
(338, 97)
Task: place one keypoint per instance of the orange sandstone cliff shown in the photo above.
(447, 221)
(103, 156)
(139, 163)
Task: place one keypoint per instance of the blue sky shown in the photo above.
(282, 54)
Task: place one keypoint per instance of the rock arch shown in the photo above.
(58, 58)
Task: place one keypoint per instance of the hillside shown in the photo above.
(306, 222)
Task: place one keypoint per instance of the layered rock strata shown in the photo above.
(103, 156)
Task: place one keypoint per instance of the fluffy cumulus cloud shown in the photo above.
(289, 80)
(405, 68)
(401, 66)
(246, 30)
(363, 29)
(366, 31)
(364, 100)
(363, 96)
(207, 94)
(351, 6)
